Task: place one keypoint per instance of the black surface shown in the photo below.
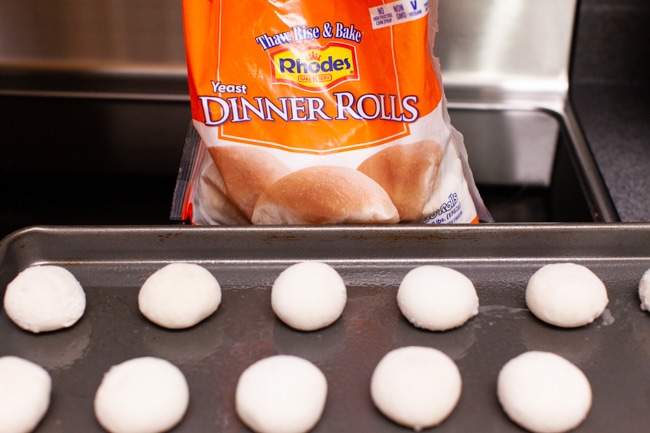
(83, 199)
(611, 96)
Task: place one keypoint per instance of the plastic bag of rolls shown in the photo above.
(319, 112)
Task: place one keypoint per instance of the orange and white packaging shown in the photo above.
(320, 112)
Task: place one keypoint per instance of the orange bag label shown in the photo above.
(315, 68)
(320, 82)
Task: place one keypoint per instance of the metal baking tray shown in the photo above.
(112, 263)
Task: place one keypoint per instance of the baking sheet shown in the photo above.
(112, 263)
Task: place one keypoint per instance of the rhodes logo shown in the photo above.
(315, 68)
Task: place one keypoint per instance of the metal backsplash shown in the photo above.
(510, 51)
(506, 51)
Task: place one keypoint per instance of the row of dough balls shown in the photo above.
(414, 386)
(146, 395)
(309, 296)
(49, 297)
(306, 296)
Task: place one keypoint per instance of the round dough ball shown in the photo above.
(543, 392)
(179, 295)
(45, 298)
(566, 295)
(281, 394)
(308, 296)
(437, 298)
(25, 390)
(142, 395)
(416, 387)
(644, 291)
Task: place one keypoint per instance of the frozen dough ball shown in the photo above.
(644, 291)
(25, 390)
(142, 395)
(543, 392)
(437, 298)
(566, 295)
(417, 387)
(45, 298)
(179, 295)
(281, 394)
(308, 296)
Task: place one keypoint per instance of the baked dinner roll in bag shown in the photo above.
(319, 113)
